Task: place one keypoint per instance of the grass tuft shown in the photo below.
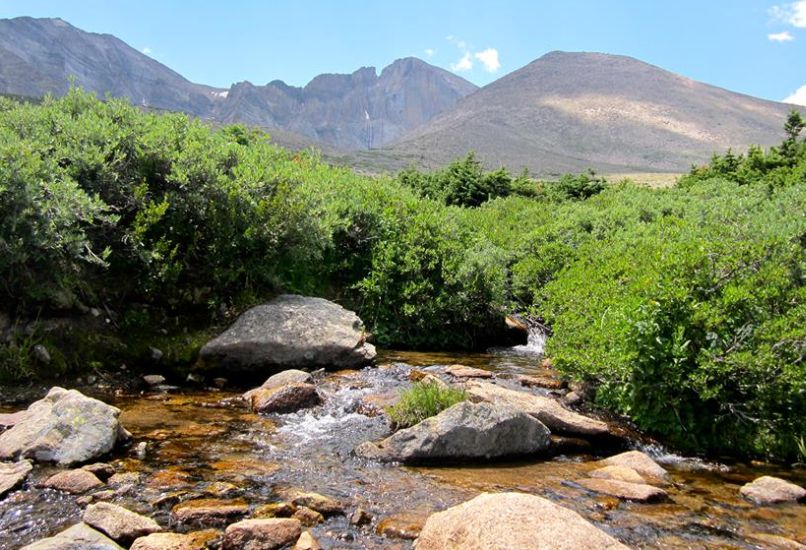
(423, 400)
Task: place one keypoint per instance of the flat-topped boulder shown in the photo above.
(260, 534)
(464, 431)
(772, 490)
(549, 411)
(624, 490)
(512, 521)
(65, 427)
(291, 332)
(78, 537)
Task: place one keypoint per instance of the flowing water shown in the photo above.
(203, 443)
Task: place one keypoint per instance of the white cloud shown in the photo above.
(785, 36)
(792, 14)
(489, 58)
(464, 64)
(429, 52)
(146, 50)
(798, 98)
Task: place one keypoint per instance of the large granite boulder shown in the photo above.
(547, 410)
(78, 537)
(291, 332)
(65, 427)
(464, 431)
(512, 521)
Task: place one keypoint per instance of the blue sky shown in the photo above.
(751, 46)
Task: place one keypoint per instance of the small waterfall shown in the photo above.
(535, 341)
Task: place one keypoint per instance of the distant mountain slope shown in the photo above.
(357, 111)
(38, 56)
(570, 111)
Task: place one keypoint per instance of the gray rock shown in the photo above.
(549, 411)
(12, 475)
(120, 524)
(156, 354)
(772, 490)
(512, 521)
(153, 379)
(64, 427)
(465, 430)
(78, 537)
(291, 332)
(41, 354)
(290, 376)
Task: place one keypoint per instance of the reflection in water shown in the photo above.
(205, 444)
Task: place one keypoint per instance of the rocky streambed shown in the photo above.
(200, 460)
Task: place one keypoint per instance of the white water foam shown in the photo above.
(535, 342)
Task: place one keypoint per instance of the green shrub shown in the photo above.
(423, 400)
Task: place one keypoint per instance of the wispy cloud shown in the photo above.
(147, 50)
(785, 36)
(464, 64)
(429, 52)
(793, 13)
(798, 98)
(489, 58)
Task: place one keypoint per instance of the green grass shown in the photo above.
(423, 400)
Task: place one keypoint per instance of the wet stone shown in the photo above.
(307, 541)
(462, 371)
(118, 523)
(13, 474)
(618, 473)
(78, 537)
(102, 470)
(308, 517)
(209, 511)
(772, 490)
(405, 526)
(261, 534)
(638, 461)
(324, 505)
(198, 540)
(637, 492)
(360, 517)
(275, 510)
(74, 482)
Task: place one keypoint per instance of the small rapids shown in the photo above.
(203, 444)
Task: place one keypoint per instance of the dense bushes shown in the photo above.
(685, 306)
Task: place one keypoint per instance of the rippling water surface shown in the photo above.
(204, 443)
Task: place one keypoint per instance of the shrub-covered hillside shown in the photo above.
(683, 306)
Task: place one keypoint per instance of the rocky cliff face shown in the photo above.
(40, 56)
(362, 110)
(347, 111)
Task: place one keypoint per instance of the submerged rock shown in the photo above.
(209, 511)
(624, 490)
(512, 521)
(78, 537)
(64, 427)
(13, 474)
(549, 411)
(291, 332)
(618, 473)
(639, 462)
(322, 504)
(772, 490)
(120, 524)
(462, 371)
(464, 431)
(261, 534)
(406, 525)
(74, 482)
